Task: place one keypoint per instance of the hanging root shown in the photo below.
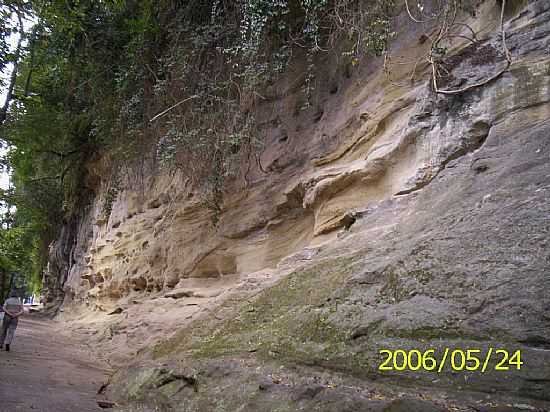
(443, 34)
(447, 13)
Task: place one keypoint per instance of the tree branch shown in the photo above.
(13, 76)
(171, 108)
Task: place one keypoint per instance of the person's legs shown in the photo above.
(11, 331)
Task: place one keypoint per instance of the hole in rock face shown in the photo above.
(480, 168)
(235, 148)
(479, 132)
(138, 284)
(283, 139)
(349, 220)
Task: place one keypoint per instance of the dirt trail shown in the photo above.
(47, 371)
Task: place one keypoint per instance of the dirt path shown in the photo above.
(48, 372)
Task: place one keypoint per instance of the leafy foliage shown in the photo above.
(226, 53)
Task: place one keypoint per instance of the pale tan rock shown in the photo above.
(374, 143)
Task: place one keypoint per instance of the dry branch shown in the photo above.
(172, 107)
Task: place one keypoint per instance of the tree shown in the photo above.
(10, 11)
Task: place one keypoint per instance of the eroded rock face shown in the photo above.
(399, 219)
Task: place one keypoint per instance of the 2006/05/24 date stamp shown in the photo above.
(456, 359)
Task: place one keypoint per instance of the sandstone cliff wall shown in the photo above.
(395, 217)
(363, 141)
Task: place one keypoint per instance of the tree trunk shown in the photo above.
(12, 279)
(31, 63)
(13, 77)
(2, 287)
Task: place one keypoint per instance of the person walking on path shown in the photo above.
(13, 308)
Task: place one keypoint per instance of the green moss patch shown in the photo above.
(295, 320)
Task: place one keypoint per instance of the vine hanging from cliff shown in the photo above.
(221, 56)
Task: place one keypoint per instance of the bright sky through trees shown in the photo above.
(4, 176)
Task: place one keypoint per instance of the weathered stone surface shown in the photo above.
(401, 220)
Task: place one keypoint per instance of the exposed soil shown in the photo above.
(47, 371)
